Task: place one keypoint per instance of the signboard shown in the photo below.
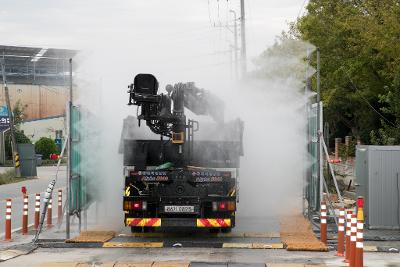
(4, 119)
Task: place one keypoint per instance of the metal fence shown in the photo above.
(312, 190)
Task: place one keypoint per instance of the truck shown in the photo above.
(180, 174)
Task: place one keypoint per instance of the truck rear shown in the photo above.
(179, 177)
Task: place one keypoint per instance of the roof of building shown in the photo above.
(35, 65)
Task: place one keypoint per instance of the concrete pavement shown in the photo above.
(33, 186)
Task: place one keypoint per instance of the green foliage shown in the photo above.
(45, 146)
(350, 151)
(8, 177)
(360, 65)
(19, 113)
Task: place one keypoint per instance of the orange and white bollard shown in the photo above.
(37, 211)
(348, 234)
(353, 239)
(49, 213)
(359, 258)
(323, 228)
(340, 238)
(7, 235)
(25, 216)
(59, 206)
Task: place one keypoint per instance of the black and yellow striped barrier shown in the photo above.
(17, 162)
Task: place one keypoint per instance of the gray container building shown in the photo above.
(377, 173)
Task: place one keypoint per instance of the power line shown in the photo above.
(301, 9)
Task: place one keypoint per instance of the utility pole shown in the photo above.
(236, 48)
(11, 118)
(69, 170)
(319, 169)
(243, 35)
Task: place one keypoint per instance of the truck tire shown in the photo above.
(214, 230)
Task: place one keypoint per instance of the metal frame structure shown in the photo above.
(35, 65)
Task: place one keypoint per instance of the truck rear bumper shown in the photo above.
(179, 222)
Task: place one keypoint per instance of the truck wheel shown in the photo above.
(214, 230)
(226, 230)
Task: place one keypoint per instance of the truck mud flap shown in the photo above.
(179, 222)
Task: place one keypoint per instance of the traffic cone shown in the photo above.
(323, 228)
(348, 234)
(59, 211)
(359, 258)
(7, 234)
(340, 238)
(25, 216)
(49, 213)
(37, 211)
(353, 239)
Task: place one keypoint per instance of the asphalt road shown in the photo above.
(39, 185)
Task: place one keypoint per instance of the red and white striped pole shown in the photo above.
(353, 239)
(25, 216)
(37, 211)
(49, 213)
(340, 238)
(348, 234)
(7, 235)
(359, 258)
(59, 206)
(323, 228)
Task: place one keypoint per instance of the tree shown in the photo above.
(20, 137)
(360, 64)
(45, 146)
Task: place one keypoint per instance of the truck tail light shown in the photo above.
(223, 206)
(135, 205)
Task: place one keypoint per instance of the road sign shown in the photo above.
(4, 119)
(3, 111)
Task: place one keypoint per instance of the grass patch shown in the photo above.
(8, 177)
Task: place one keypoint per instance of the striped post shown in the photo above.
(59, 206)
(323, 230)
(7, 235)
(359, 258)
(37, 211)
(353, 239)
(49, 213)
(348, 234)
(340, 238)
(25, 216)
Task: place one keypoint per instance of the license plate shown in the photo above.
(179, 209)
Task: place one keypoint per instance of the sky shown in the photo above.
(195, 28)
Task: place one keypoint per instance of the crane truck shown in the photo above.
(183, 175)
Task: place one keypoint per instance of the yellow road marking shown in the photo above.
(171, 264)
(133, 245)
(237, 245)
(370, 249)
(131, 264)
(268, 245)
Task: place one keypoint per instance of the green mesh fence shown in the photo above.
(78, 193)
(313, 184)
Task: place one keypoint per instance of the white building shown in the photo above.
(45, 127)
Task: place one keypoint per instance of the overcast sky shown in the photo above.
(180, 24)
